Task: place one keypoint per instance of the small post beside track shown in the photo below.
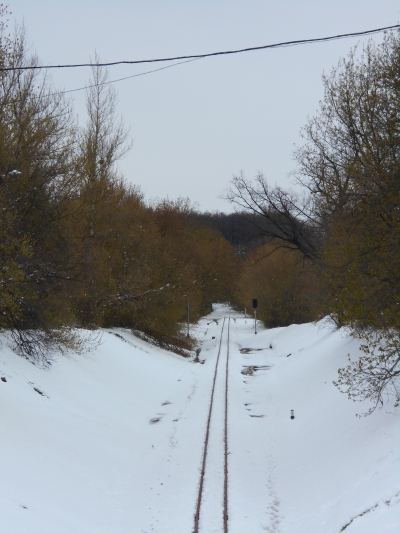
(255, 305)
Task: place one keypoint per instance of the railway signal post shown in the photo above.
(255, 305)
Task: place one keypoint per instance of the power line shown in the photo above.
(198, 56)
(104, 82)
(132, 76)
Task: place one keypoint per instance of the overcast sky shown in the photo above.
(196, 125)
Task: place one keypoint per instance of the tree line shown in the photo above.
(79, 247)
(335, 246)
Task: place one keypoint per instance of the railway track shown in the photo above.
(214, 467)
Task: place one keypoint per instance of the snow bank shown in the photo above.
(112, 441)
(326, 467)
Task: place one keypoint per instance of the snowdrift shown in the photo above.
(111, 441)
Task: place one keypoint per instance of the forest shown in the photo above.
(80, 247)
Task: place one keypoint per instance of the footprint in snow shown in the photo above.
(40, 392)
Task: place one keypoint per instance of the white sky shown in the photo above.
(196, 125)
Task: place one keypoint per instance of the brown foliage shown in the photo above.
(78, 246)
(348, 220)
(36, 180)
(283, 282)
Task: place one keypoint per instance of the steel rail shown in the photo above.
(203, 467)
(207, 436)
(226, 438)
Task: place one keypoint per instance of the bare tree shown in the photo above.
(375, 376)
(282, 217)
(37, 142)
(348, 219)
(104, 139)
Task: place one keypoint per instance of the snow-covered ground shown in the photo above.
(114, 443)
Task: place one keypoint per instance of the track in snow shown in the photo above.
(214, 470)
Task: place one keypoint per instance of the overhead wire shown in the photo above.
(188, 59)
(57, 93)
(211, 54)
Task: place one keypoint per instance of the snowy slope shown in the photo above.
(326, 466)
(115, 442)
